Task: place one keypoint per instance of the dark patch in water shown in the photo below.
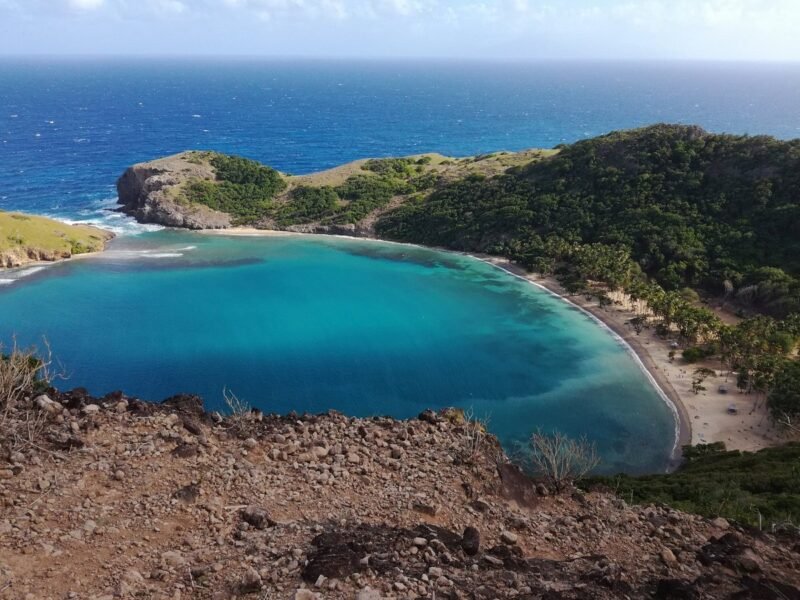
(168, 264)
(422, 258)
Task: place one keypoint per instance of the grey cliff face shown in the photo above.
(143, 193)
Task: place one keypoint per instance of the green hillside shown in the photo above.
(690, 208)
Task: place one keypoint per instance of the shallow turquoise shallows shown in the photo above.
(312, 323)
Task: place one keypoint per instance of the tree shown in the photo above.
(784, 397)
(700, 375)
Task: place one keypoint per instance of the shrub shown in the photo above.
(784, 397)
(748, 487)
(22, 373)
(242, 171)
(308, 204)
(695, 353)
(244, 188)
(559, 459)
(367, 193)
(390, 166)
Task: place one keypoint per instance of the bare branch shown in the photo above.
(560, 459)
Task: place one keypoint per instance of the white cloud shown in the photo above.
(173, 7)
(535, 28)
(86, 4)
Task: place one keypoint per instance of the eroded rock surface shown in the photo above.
(148, 192)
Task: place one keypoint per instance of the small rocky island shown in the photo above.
(26, 239)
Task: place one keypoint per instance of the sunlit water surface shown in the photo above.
(312, 323)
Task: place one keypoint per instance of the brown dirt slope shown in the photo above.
(116, 498)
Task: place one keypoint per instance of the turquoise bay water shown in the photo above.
(313, 323)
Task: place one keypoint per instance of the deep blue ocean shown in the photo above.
(309, 324)
(69, 128)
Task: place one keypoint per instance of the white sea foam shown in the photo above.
(28, 271)
(15, 275)
(102, 213)
(163, 255)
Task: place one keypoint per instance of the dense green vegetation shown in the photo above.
(396, 167)
(308, 204)
(757, 488)
(244, 188)
(247, 190)
(366, 193)
(784, 395)
(693, 210)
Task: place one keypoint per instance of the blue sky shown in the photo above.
(493, 29)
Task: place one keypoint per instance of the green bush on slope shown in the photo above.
(755, 488)
(244, 188)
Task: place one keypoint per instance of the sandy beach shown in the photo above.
(250, 231)
(703, 418)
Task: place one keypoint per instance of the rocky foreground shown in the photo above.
(117, 498)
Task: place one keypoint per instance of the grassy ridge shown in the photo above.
(255, 194)
(19, 232)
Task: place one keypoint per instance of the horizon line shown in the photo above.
(398, 58)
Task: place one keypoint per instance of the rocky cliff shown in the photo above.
(104, 498)
(149, 192)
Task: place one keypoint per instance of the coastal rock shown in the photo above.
(251, 581)
(508, 537)
(147, 192)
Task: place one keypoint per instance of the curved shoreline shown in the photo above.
(640, 354)
(662, 385)
(699, 419)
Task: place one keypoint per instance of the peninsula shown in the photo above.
(26, 239)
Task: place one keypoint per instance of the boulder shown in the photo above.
(471, 541)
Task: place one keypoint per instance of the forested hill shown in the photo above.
(692, 209)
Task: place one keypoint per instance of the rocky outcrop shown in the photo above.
(117, 498)
(348, 229)
(147, 192)
(20, 256)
